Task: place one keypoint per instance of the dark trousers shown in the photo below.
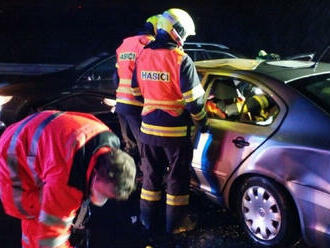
(169, 165)
(130, 130)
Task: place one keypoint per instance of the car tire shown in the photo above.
(267, 213)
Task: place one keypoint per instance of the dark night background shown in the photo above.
(68, 31)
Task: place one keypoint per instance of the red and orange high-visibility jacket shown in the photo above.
(46, 161)
(129, 100)
(172, 94)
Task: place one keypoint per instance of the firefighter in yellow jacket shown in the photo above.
(50, 163)
(173, 96)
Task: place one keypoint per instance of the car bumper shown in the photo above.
(314, 210)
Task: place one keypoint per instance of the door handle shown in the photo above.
(240, 142)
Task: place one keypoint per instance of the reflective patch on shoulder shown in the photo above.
(127, 56)
(179, 51)
(155, 76)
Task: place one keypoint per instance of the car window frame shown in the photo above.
(90, 69)
(300, 86)
(283, 108)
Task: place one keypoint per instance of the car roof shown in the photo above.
(31, 69)
(205, 45)
(204, 50)
(283, 70)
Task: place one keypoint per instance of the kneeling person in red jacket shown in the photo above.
(50, 163)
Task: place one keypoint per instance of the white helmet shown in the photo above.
(178, 24)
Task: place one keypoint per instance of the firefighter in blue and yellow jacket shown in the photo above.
(128, 100)
(50, 163)
(173, 96)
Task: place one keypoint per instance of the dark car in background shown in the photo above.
(204, 51)
(87, 87)
(266, 157)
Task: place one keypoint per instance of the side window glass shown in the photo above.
(101, 73)
(237, 100)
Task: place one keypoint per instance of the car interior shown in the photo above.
(236, 100)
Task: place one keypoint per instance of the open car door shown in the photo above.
(242, 114)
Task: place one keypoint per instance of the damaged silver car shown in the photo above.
(266, 154)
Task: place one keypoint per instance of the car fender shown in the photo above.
(292, 167)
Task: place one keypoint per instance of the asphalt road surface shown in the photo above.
(114, 226)
(217, 227)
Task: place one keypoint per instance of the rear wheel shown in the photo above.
(267, 213)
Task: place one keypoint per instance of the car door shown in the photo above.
(234, 130)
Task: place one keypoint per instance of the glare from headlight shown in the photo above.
(109, 102)
(4, 99)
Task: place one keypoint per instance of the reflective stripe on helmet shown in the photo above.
(173, 17)
(153, 20)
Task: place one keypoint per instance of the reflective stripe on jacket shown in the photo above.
(43, 173)
(127, 53)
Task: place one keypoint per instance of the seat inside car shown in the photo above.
(226, 92)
